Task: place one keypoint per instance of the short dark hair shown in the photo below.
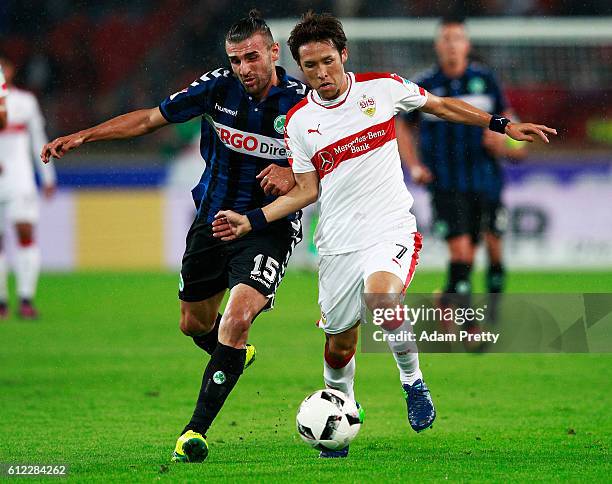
(6, 58)
(452, 20)
(314, 27)
(247, 27)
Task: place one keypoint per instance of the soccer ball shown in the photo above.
(328, 419)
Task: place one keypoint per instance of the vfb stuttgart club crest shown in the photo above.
(367, 105)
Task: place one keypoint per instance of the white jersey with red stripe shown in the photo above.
(20, 143)
(351, 143)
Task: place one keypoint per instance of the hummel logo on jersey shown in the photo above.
(315, 130)
(231, 112)
(177, 93)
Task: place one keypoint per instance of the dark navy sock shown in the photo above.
(458, 280)
(458, 289)
(496, 278)
(208, 342)
(220, 377)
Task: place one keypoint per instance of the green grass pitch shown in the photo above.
(105, 381)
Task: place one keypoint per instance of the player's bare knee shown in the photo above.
(25, 234)
(191, 325)
(236, 324)
(388, 307)
(382, 301)
(186, 324)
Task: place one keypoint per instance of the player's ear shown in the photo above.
(344, 55)
(275, 49)
(436, 46)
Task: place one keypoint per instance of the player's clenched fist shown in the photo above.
(276, 180)
(60, 146)
(230, 225)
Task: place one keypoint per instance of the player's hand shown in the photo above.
(529, 132)
(421, 175)
(60, 146)
(230, 225)
(276, 180)
(49, 191)
(494, 143)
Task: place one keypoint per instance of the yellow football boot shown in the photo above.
(190, 447)
(251, 353)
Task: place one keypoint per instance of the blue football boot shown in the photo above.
(335, 454)
(421, 411)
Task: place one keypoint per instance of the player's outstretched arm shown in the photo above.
(457, 111)
(229, 225)
(127, 125)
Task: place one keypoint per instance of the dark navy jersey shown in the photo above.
(453, 152)
(240, 136)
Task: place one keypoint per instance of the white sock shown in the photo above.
(3, 278)
(27, 267)
(342, 379)
(406, 356)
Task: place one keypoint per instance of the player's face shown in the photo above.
(253, 61)
(323, 67)
(8, 70)
(452, 44)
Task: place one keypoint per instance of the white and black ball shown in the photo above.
(328, 419)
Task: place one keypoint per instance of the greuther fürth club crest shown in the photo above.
(367, 105)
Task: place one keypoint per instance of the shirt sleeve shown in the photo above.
(192, 101)
(414, 116)
(3, 86)
(299, 161)
(407, 96)
(38, 138)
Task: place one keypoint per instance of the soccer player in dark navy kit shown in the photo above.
(460, 164)
(243, 114)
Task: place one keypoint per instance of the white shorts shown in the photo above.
(19, 208)
(342, 278)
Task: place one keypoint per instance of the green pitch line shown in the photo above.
(105, 381)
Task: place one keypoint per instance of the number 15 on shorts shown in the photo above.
(266, 267)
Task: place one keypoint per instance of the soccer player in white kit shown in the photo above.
(344, 153)
(22, 138)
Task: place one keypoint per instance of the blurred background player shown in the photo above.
(3, 94)
(22, 139)
(461, 164)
